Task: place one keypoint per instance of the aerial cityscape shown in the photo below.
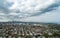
(29, 18)
(29, 30)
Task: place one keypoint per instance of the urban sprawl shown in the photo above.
(29, 30)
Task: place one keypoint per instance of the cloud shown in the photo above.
(21, 9)
(4, 5)
(49, 17)
(33, 7)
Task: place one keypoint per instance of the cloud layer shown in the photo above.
(23, 9)
(52, 17)
(34, 7)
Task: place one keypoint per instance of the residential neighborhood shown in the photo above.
(27, 30)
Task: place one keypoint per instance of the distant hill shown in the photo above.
(27, 22)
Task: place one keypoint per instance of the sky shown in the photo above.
(30, 10)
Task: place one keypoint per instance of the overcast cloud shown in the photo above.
(30, 10)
